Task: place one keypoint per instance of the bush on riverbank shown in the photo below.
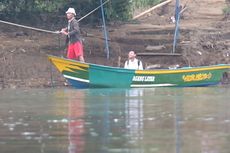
(226, 12)
(40, 11)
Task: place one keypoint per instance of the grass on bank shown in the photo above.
(226, 11)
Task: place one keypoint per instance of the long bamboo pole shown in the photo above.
(27, 27)
(151, 9)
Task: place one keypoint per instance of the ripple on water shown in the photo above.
(2, 143)
(28, 133)
(207, 119)
(58, 121)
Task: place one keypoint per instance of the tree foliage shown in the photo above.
(35, 10)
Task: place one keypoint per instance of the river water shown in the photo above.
(160, 120)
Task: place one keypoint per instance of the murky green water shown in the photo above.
(161, 120)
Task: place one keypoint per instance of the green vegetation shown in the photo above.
(226, 11)
(124, 9)
(144, 3)
(34, 11)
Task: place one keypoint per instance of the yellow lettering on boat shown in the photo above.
(197, 77)
(144, 78)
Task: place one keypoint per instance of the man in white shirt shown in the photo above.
(133, 62)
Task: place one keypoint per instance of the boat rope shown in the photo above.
(93, 10)
(48, 31)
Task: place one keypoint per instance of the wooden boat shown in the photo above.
(85, 75)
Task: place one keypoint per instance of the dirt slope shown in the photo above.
(204, 13)
(204, 36)
(204, 40)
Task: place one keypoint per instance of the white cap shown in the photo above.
(71, 10)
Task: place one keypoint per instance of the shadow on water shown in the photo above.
(158, 120)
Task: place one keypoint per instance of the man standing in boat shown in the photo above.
(72, 31)
(133, 62)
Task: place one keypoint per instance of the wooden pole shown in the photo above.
(151, 9)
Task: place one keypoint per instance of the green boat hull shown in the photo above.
(85, 75)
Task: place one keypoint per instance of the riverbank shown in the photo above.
(204, 40)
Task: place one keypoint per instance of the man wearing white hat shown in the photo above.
(72, 31)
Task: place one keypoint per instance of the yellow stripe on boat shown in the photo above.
(182, 70)
(68, 65)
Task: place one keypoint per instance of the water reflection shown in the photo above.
(76, 123)
(105, 121)
(160, 120)
(178, 120)
(142, 121)
(134, 116)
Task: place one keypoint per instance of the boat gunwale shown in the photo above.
(143, 72)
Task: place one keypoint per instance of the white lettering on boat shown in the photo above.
(144, 78)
